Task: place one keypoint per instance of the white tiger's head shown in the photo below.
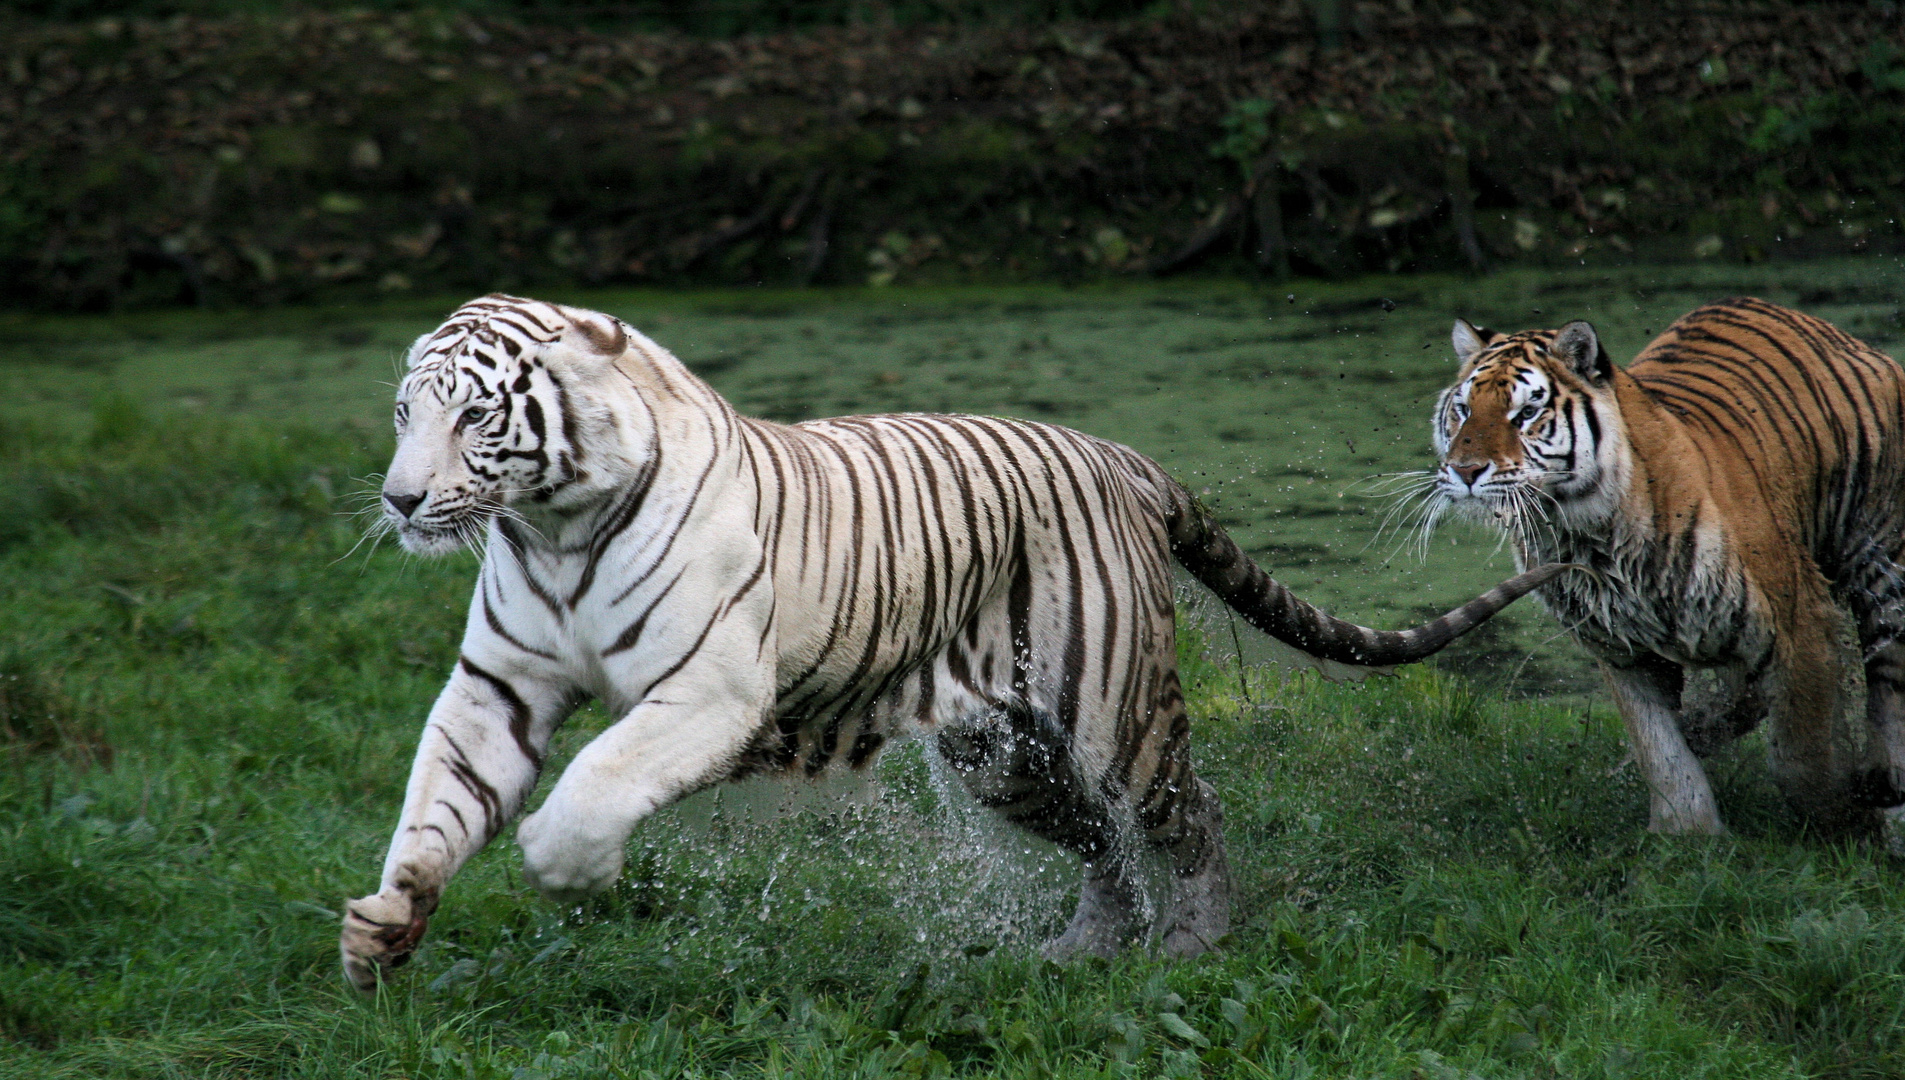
(494, 414)
(1530, 429)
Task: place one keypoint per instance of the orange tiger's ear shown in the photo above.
(1470, 339)
(1581, 348)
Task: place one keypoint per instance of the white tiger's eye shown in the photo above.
(472, 415)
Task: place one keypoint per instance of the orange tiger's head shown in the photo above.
(1530, 429)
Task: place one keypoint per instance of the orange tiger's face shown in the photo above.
(1527, 427)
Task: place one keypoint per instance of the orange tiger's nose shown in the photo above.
(1468, 473)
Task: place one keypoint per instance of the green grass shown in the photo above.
(208, 703)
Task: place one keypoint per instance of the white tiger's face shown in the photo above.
(488, 419)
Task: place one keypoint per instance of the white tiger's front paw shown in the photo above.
(562, 864)
(380, 932)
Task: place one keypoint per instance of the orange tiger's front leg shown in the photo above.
(480, 755)
(1647, 690)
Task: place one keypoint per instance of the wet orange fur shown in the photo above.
(1747, 481)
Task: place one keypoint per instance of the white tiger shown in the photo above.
(748, 596)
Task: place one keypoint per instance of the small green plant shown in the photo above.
(1779, 128)
(1884, 65)
(116, 419)
(36, 717)
(1248, 131)
(1448, 703)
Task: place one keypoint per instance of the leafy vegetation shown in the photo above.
(270, 154)
(209, 693)
(710, 17)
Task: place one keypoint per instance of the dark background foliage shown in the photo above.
(716, 17)
(254, 153)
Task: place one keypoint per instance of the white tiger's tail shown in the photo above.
(1207, 551)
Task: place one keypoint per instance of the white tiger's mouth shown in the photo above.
(420, 541)
(441, 537)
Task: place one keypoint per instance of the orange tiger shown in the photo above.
(1741, 477)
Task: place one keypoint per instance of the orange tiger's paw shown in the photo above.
(379, 932)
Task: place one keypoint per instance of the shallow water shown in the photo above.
(1283, 405)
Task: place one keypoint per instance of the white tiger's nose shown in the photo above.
(404, 504)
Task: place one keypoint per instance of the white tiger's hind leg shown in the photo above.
(1017, 761)
(1199, 914)
(1181, 818)
(1106, 918)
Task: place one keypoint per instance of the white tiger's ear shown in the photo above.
(416, 349)
(597, 333)
(1470, 339)
(1581, 348)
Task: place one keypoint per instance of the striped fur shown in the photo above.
(1741, 478)
(752, 597)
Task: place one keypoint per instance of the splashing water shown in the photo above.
(900, 855)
